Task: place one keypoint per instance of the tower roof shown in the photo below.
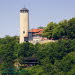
(24, 9)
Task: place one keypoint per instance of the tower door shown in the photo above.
(26, 39)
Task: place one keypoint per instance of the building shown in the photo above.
(29, 61)
(24, 24)
(26, 35)
(34, 35)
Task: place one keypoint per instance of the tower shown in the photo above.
(24, 24)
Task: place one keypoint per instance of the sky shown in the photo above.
(41, 12)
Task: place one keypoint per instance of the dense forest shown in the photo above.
(56, 58)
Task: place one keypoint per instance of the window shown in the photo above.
(23, 32)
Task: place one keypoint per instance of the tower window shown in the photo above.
(23, 32)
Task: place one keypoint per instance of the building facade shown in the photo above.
(24, 24)
(34, 35)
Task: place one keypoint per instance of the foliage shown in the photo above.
(56, 58)
(36, 70)
(64, 29)
(71, 28)
(8, 39)
(40, 27)
(49, 30)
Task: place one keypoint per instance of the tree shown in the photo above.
(36, 70)
(61, 30)
(7, 56)
(40, 27)
(67, 64)
(64, 29)
(71, 29)
(23, 50)
(49, 29)
(7, 39)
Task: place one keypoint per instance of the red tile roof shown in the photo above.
(36, 31)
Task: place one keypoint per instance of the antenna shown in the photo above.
(24, 6)
(25, 2)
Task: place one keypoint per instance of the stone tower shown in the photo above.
(24, 24)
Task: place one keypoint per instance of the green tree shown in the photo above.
(7, 56)
(67, 64)
(8, 39)
(61, 30)
(49, 30)
(71, 29)
(23, 50)
(37, 70)
(40, 27)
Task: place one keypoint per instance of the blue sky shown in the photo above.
(41, 12)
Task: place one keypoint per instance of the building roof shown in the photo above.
(30, 58)
(24, 9)
(36, 31)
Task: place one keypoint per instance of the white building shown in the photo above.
(24, 25)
